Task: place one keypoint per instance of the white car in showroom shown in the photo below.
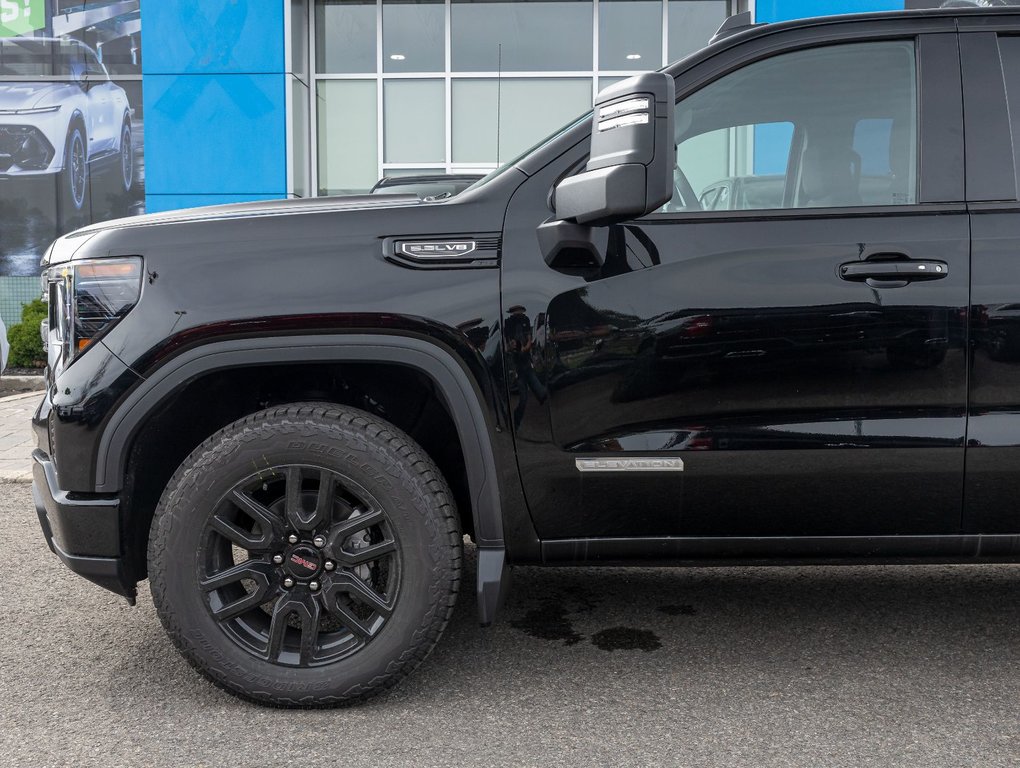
(65, 125)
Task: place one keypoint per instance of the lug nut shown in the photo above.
(293, 539)
(329, 565)
(319, 541)
(288, 582)
(314, 586)
(277, 559)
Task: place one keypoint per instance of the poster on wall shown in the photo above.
(71, 122)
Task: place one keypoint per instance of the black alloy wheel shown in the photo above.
(306, 555)
(300, 565)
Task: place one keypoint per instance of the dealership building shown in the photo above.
(241, 100)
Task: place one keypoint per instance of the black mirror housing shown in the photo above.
(630, 168)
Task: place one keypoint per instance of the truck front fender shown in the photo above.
(460, 395)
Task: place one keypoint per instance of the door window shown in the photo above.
(818, 128)
(1009, 54)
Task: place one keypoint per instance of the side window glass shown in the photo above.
(1009, 55)
(825, 127)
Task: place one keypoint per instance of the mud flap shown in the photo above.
(493, 582)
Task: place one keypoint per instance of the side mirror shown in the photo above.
(630, 168)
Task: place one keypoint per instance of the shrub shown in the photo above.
(26, 343)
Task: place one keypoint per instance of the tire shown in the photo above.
(370, 470)
(74, 178)
(127, 158)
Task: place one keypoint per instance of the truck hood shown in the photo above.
(64, 248)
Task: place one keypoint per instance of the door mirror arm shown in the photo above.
(576, 249)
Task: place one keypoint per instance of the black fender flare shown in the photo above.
(460, 395)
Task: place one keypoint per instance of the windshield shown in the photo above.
(547, 140)
(46, 58)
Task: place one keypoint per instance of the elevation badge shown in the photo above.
(635, 464)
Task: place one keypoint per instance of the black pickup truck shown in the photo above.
(288, 415)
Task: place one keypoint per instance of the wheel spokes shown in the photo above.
(342, 531)
(308, 613)
(297, 517)
(348, 618)
(365, 554)
(259, 543)
(256, 570)
(261, 574)
(269, 523)
(324, 570)
(348, 583)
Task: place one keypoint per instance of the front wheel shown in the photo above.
(306, 555)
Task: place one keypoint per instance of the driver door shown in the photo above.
(798, 352)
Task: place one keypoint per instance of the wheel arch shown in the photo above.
(460, 395)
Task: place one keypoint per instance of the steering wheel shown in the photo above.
(684, 198)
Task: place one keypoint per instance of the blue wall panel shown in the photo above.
(215, 134)
(212, 36)
(215, 101)
(784, 10)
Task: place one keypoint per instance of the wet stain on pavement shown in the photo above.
(548, 622)
(626, 639)
(677, 610)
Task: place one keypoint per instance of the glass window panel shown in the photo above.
(605, 82)
(847, 132)
(345, 36)
(692, 24)
(298, 64)
(474, 121)
(630, 34)
(347, 136)
(301, 131)
(535, 36)
(414, 35)
(414, 121)
(528, 111)
(1009, 53)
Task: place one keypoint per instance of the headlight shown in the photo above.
(30, 111)
(86, 300)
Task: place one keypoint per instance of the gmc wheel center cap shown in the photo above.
(303, 562)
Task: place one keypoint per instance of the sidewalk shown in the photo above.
(16, 439)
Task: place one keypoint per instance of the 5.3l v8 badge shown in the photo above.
(437, 249)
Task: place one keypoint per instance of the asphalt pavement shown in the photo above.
(835, 666)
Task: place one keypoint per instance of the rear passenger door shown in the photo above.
(990, 57)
